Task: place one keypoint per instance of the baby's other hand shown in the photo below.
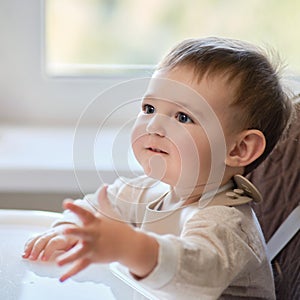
(105, 207)
(49, 242)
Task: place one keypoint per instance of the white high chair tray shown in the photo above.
(122, 273)
(25, 280)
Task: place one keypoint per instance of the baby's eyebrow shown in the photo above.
(149, 96)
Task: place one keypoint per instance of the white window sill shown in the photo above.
(41, 160)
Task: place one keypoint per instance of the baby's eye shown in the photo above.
(148, 109)
(183, 118)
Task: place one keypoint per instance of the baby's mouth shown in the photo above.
(156, 150)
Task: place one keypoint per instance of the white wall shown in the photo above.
(27, 95)
(30, 100)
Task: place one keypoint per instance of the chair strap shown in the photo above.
(284, 233)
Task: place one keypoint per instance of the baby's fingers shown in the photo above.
(35, 247)
(79, 233)
(84, 215)
(28, 247)
(58, 243)
(73, 254)
(79, 266)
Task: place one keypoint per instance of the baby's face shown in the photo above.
(180, 135)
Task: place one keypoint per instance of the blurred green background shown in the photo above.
(124, 33)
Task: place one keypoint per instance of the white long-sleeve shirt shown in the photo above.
(215, 252)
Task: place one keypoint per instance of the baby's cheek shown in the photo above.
(186, 147)
(138, 129)
(136, 145)
(186, 155)
(190, 159)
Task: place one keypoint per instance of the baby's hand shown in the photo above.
(101, 240)
(49, 242)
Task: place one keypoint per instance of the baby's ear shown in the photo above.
(249, 145)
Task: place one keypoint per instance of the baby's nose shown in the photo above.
(157, 125)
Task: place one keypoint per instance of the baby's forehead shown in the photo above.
(182, 86)
(172, 83)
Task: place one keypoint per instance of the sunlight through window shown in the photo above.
(111, 37)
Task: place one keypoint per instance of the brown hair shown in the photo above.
(258, 92)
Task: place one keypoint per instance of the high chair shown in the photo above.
(278, 180)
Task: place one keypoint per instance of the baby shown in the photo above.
(213, 111)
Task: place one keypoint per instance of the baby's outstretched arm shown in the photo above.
(48, 242)
(103, 239)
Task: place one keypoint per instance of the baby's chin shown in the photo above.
(156, 168)
(157, 175)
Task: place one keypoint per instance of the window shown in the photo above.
(102, 37)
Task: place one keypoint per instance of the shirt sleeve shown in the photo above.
(211, 251)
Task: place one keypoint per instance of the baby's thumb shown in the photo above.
(65, 201)
(105, 205)
(103, 200)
